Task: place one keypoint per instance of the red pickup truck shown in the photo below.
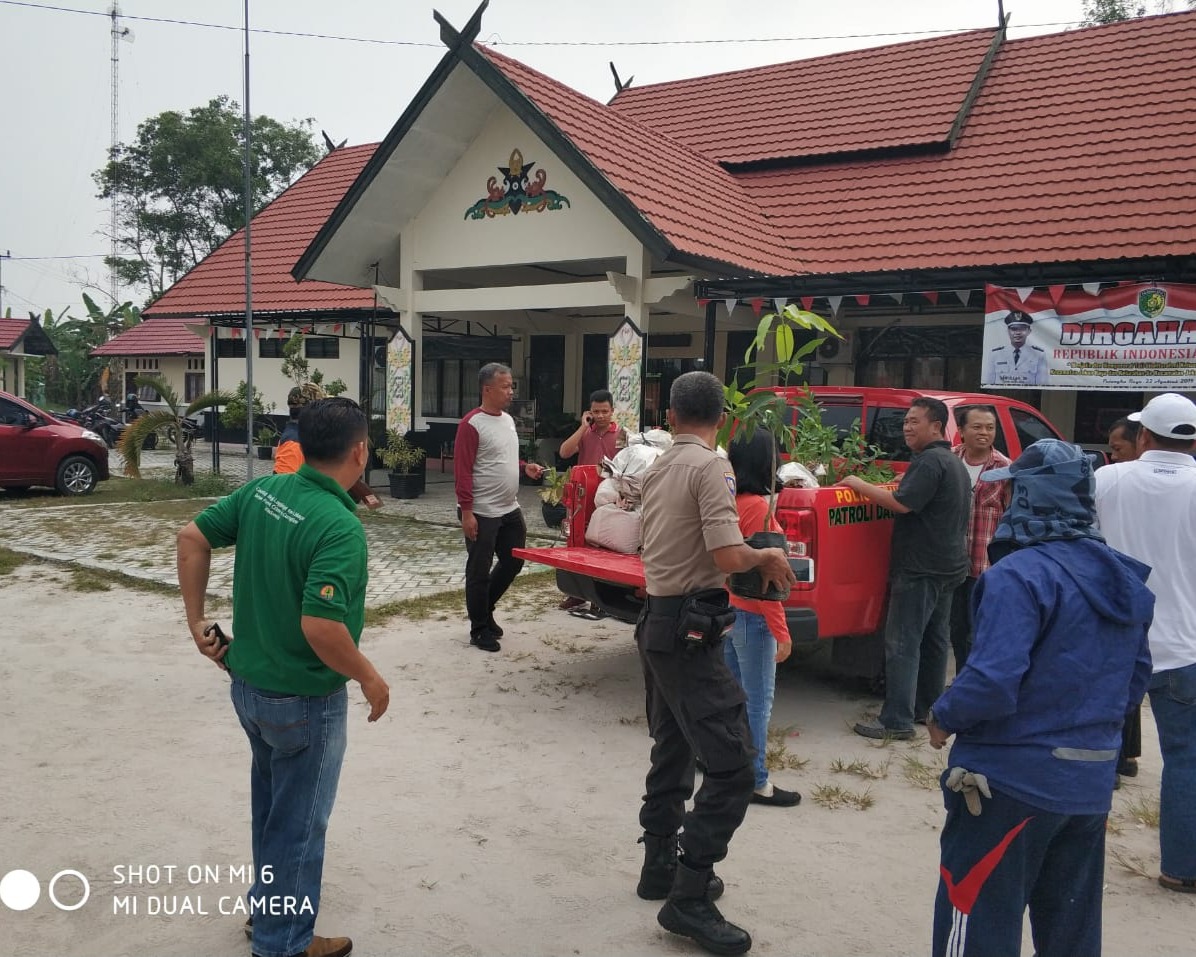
(838, 541)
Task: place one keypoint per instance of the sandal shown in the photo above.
(1177, 884)
(589, 614)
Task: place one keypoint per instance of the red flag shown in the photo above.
(1056, 293)
(807, 303)
(281, 334)
(257, 333)
(702, 302)
(933, 297)
(863, 300)
(211, 331)
(756, 304)
(237, 333)
(338, 327)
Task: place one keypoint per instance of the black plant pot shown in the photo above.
(405, 484)
(750, 584)
(553, 514)
(265, 451)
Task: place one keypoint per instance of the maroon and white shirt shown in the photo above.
(486, 464)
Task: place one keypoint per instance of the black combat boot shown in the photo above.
(660, 868)
(690, 913)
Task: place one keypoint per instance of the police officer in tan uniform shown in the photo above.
(696, 713)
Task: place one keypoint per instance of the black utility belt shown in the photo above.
(701, 618)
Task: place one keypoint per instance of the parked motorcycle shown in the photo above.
(134, 410)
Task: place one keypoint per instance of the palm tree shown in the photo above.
(170, 420)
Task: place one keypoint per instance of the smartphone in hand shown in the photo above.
(221, 638)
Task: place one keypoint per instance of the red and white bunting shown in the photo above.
(237, 333)
(1092, 288)
(779, 304)
(933, 297)
(731, 304)
(757, 304)
(1023, 292)
(836, 302)
(896, 296)
(807, 303)
(281, 333)
(964, 295)
(339, 326)
(1056, 292)
(862, 299)
(257, 333)
(211, 331)
(702, 303)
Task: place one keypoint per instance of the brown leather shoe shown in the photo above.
(329, 947)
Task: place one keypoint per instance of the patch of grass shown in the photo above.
(862, 769)
(10, 560)
(84, 579)
(117, 489)
(921, 773)
(634, 720)
(1144, 809)
(833, 797)
(1133, 865)
(448, 604)
(777, 756)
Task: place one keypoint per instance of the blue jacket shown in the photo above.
(1060, 658)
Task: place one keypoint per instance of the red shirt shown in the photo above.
(592, 448)
(752, 509)
(989, 501)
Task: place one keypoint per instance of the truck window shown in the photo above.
(1030, 428)
(884, 431)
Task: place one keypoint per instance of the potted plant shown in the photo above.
(264, 441)
(404, 461)
(551, 493)
(749, 410)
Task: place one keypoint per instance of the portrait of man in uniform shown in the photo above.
(1018, 363)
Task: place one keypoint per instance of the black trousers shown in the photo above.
(485, 580)
(961, 622)
(697, 718)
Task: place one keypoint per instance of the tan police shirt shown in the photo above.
(688, 510)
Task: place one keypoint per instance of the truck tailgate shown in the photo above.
(598, 563)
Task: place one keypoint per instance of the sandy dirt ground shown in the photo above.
(492, 811)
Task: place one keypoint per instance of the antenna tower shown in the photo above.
(118, 33)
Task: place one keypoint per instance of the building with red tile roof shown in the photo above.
(916, 173)
(156, 337)
(19, 340)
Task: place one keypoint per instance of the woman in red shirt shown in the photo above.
(760, 636)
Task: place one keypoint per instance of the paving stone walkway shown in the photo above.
(415, 545)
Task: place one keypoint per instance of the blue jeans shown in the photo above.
(1173, 701)
(1011, 858)
(917, 639)
(298, 744)
(751, 653)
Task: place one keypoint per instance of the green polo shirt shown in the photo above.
(300, 551)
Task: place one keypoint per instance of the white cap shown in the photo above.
(1169, 415)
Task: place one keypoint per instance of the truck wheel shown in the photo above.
(77, 475)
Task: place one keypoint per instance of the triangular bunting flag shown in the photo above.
(897, 296)
(807, 303)
(211, 331)
(702, 302)
(1023, 292)
(237, 333)
(731, 304)
(933, 297)
(257, 333)
(281, 334)
(1056, 292)
(1092, 288)
(836, 302)
(779, 304)
(339, 326)
(863, 300)
(757, 304)
(964, 295)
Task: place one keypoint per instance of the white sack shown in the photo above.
(627, 468)
(612, 527)
(796, 475)
(661, 439)
(606, 494)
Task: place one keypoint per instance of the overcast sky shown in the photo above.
(55, 68)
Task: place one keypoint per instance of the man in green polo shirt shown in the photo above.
(299, 583)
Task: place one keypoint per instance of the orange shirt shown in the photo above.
(752, 510)
(288, 457)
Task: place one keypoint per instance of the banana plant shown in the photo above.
(169, 420)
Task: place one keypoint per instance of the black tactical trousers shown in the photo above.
(697, 717)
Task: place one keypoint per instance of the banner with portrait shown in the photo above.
(626, 375)
(1137, 337)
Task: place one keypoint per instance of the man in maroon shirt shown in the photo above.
(599, 436)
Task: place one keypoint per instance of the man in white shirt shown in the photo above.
(1147, 509)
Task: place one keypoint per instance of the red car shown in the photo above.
(38, 449)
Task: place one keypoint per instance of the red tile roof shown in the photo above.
(154, 337)
(280, 233)
(1078, 148)
(11, 330)
(693, 202)
(894, 96)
